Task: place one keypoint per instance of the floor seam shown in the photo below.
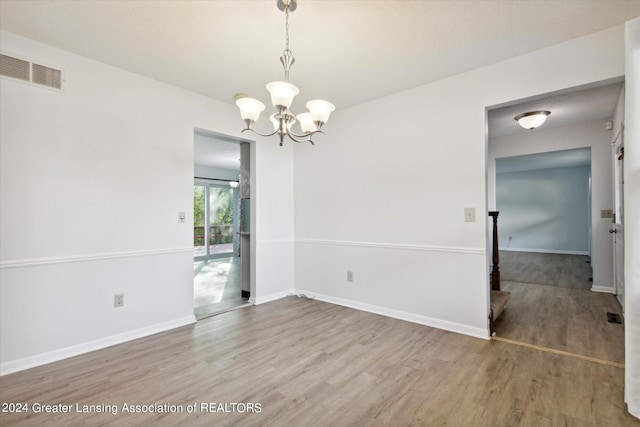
(560, 352)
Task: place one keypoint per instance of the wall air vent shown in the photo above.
(30, 72)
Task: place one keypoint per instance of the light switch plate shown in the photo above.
(182, 217)
(469, 214)
(606, 213)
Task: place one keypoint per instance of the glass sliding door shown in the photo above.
(214, 221)
(200, 235)
(221, 214)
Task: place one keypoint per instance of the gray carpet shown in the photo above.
(565, 271)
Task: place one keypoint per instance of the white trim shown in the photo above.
(603, 289)
(402, 315)
(75, 350)
(274, 241)
(32, 262)
(546, 251)
(271, 297)
(402, 246)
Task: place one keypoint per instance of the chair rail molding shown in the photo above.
(32, 262)
(400, 246)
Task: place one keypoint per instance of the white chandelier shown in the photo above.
(282, 94)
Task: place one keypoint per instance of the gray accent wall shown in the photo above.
(544, 210)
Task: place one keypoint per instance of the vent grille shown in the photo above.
(14, 67)
(30, 72)
(46, 76)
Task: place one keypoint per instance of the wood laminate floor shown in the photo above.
(566, 319)
(561, 270)
(552, 306)
(309, 363)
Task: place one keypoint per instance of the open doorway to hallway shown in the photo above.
(554, 220)
(220, 281)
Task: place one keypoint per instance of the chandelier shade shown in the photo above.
(532, 119)
(306, 122)
(320, 110)
(282, 95)
(250, 108)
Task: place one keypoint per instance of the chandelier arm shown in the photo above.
(306, 135)
(294, 138)
(258, 133)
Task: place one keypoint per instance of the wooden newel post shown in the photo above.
(495, 267)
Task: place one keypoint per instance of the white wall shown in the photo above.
(632, 217)
(92, 180)
(593, 135)
(383, 194)
(274, 220)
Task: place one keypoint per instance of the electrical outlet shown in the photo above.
(510, 237)
(469, 214)
(118, 300)
(349, 276)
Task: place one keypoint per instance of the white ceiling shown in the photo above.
(214, 151)
(348, 52)
(567, 108)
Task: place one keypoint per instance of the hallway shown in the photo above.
(551, 306)
(217, 286)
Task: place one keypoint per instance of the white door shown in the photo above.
(617, 228)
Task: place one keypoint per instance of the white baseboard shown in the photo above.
(396, 314)
(603, 289)
(545, 251)
(75, 350)
(402, 315)
(271, 297)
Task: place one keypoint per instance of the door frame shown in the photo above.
(252, 155)
(617, 226)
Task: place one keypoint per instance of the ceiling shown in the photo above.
(567, 108)
(348, 52)
(215, 151)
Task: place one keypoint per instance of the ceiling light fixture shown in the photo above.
(282, 94)
(532, 119)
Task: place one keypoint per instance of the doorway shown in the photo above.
(219, 258)
(547, 309)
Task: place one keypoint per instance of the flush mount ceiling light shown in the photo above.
(282, 94)
(532, 119)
